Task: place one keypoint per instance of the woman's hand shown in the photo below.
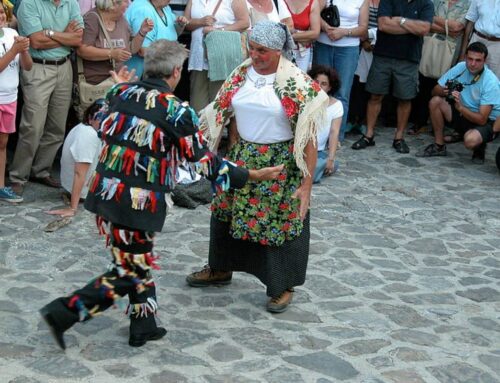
(120, 54)
(208, 21)
(123, 75)
(182, 21)
(265, 174)
(146, 26)
(207, 30)
(335, 33)
(303, 193)
(63, 213)
(330, 166)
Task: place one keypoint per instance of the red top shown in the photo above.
(301, 20)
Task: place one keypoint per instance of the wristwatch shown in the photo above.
(403, 20)
(49, 33)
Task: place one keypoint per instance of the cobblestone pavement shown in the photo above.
(403, 286)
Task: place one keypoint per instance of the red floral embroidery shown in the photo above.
(252, 223)
(315, 86)
(223, 205)
(282, 177)
(290, 106)
(284, 206)
(240, 163)
(263, 242)
(286, 226)
(253, 201)
(236, 79)
(275, 188)
(261, 214)
(263, 149)
(292, 215)
(225, 99)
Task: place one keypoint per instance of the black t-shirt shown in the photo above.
(407, 46)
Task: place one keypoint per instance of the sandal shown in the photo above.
(400, 146)
(363, 143)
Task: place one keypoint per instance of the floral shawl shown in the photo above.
(302, 98)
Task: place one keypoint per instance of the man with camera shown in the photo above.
(467, 97)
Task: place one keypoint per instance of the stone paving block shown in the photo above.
(460, 373)
(325, 363)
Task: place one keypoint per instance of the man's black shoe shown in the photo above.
(479, 154)
(56, 333)
(141, 339)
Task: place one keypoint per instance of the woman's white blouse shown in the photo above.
(199, 9)
(260, 117)
(349, 18)
(333, 112)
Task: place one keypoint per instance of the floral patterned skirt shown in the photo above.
(262, 211)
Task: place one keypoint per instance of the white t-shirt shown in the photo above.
(9, 77)
(260, 117)
(333, 111)
(349, 18)
(81, 145)
(275, 15)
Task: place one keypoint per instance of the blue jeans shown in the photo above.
(344, 60)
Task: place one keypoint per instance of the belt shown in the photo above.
(50, 62)
(489, 38)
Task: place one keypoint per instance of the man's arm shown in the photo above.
(469, 28)
(478, 118)
(71, 37)
(393, 26)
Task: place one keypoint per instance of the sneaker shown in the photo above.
(400, 146)
(479, 154)
(209, 277)
(7, 194)
(139, 340)
(280, 304)
(17, 187)
(433, 150)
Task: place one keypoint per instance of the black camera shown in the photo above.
(453, 85)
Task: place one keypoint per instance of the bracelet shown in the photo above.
(109, 54)
(349, 32)
(141, 34)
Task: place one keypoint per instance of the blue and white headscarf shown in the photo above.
(273, 35)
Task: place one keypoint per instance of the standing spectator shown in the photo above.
(471, 105)
(79, 158)
(359, 96)
(165, 26)
(274, 10)
(446, 13)
(401, 26)
(306, 29)
(15, 53)
(483, 24)
(230, 15)
(339, 47)
(99, 55)
(53, 27)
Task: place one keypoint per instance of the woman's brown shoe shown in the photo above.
(208, 277)
(280, 304)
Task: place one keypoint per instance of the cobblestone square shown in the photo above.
(403, 286)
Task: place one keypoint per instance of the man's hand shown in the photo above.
(303, 193)
(265, 174)
(367, 46)
(458, 100)
(73, 26)
(123, 75)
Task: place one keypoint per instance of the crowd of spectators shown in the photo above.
(374, 52)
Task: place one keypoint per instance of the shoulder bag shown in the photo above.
(437, 54)
(88, 93)
(331, 15)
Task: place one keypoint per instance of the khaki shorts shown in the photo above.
(401, 74)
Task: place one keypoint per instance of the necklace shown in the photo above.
(163, 18)
(258, 82)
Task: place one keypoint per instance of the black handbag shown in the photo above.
(331, 15)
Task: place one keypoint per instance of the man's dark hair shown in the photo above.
(478, 47)
(333, 77)
(92, 110)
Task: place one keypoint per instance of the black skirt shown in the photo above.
(278, 267)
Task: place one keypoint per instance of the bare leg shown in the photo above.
(439, 111)
(372, 112)
(403, 111)
(3, 157)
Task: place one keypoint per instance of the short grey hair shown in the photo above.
(162, 57)
(106, 5)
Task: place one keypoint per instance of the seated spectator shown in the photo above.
(79, 158)
(467, 96)
(99, 55)
(15, 54)
(328, 134)
(165, 26)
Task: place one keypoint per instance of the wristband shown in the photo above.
(142, 34)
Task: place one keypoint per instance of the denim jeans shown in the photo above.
(345, 61)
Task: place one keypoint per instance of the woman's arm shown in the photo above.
(240, 11)
(303, 193)
(333, 143)
(196, 23)
(136, 43)
(314, 28)
(360, 31)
